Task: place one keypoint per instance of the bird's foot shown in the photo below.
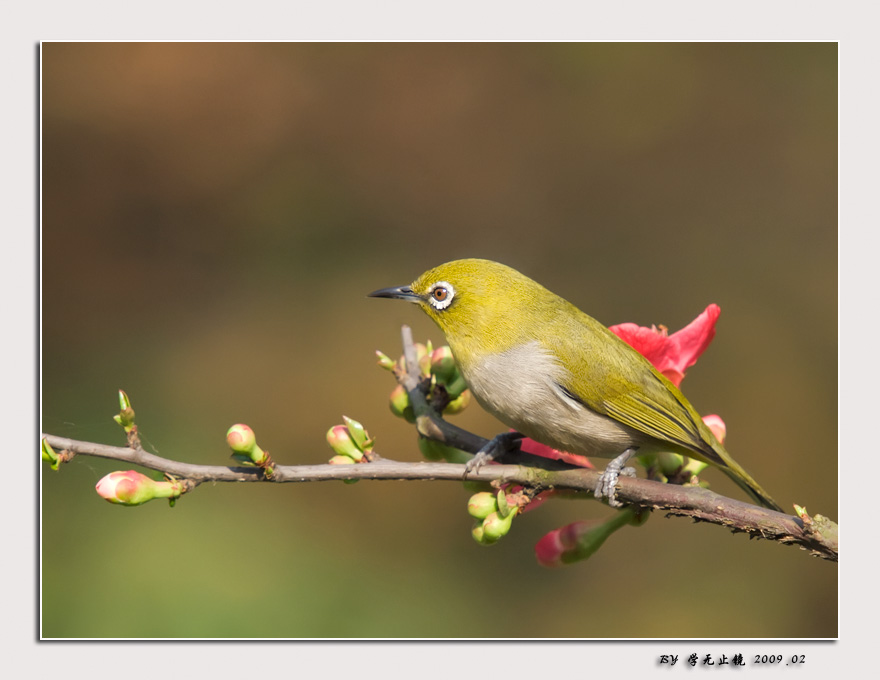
(608, 479)
(501, 444)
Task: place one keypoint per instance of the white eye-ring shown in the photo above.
(440, 295)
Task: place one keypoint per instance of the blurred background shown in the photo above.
(214, 216)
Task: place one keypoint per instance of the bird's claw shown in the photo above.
(497, 447)
(605, 487)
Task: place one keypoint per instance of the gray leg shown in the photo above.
(608, 479)
(501, 444)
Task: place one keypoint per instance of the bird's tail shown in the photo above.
(744, 480)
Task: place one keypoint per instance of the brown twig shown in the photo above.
(697, 503)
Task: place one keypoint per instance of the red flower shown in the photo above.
(672, 354)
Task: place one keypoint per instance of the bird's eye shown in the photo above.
(440, 295)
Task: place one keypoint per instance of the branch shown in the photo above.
(695, 502)
(817, 535)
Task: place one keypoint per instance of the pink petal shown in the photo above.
(539, 449)
(672, 354)
(549, 550)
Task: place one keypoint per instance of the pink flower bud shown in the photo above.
(400, 405)
(243, 442)
(553, 548)
(580, 540)
(339, 439)
(133, 488)
(443, 365)
(241, 438)
(719, 429)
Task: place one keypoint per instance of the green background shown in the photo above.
(214, 215)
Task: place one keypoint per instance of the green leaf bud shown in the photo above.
(504, 508)
(125, 417)
(385, 361)
(358, 434)
(48, 454)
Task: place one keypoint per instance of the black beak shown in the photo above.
(399, 293)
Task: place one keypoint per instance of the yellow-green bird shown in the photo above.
(544, 368)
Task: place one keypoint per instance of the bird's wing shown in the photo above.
(626, 387)
(665, 419)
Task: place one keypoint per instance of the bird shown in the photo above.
(556, 375)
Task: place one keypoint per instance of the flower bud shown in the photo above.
(693, 467)
(340, 440)
(133, 488)
(580, 540)
(443, 365)
(639, 516)
(719, 429)
(243, 442)
(434, 450)
(482, 504)
(241, 438)
(456, 386)
(458, 404)
(400, 405)
(480, 535)
(423, 355)
(669, 464)
(344, 460)
(495, 526)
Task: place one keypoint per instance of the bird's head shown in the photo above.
(480, 305)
